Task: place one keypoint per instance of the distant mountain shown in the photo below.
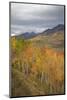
(58, 28)
(27, 35)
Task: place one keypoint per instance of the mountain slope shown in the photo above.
(55, 40)
(58, 28)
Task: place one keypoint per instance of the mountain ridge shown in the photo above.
(29, 35)
(58, 28)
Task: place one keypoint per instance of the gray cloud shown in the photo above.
(30, 17)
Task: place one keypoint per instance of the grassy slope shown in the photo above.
(55, 41)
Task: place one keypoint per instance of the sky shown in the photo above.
(34, 18)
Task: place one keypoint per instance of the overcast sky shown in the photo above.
(37, 18)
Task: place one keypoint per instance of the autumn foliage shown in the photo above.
(43, 65)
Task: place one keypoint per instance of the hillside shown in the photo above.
(55, 41)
